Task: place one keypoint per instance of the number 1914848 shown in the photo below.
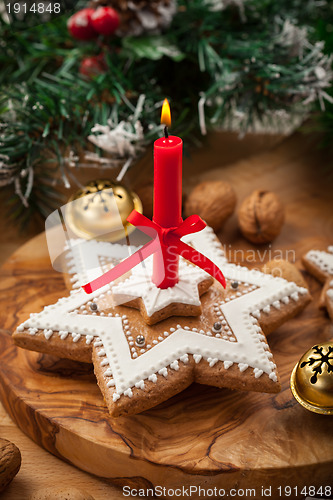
(35, 8)
(306, 491)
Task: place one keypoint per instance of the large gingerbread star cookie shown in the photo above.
(138, 366)
(320, 265)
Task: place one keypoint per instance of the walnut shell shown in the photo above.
(10, 462)
(261, 217)
(214, 201)
(60, 493)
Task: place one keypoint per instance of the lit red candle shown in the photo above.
(168, 152)
(167, 222)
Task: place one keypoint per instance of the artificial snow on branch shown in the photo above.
(122, 141)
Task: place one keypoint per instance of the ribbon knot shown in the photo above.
(165, 233)
(192, 224)
(160, 236)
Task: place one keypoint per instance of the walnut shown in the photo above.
(261, 217)
(214, 201)
(10, 462)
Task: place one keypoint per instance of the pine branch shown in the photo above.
(241, 64)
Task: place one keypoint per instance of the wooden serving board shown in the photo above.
(204, 436)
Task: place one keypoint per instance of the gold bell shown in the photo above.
(100, 211)
(311, 381)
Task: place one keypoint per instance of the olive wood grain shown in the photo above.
(204, 436)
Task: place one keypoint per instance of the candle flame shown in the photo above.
(166, 113)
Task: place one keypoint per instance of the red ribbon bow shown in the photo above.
(162, 237)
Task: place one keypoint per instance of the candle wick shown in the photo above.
(166, 133)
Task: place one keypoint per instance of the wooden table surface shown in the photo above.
(297, 157)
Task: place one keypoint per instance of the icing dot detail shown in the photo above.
(163, 371)
(242, 367)
(197, 358)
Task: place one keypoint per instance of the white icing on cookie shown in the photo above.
(323, 260)
(257, 373)
(139, 284)
(59, 318)
(242, 367)
(84, 259)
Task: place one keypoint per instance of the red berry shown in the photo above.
(80, 25)
(105, 20)
(92, 66)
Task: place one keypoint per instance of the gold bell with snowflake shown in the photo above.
(312, 379)
(100, 209)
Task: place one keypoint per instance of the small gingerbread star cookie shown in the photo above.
(156, 304)
(320, 265)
